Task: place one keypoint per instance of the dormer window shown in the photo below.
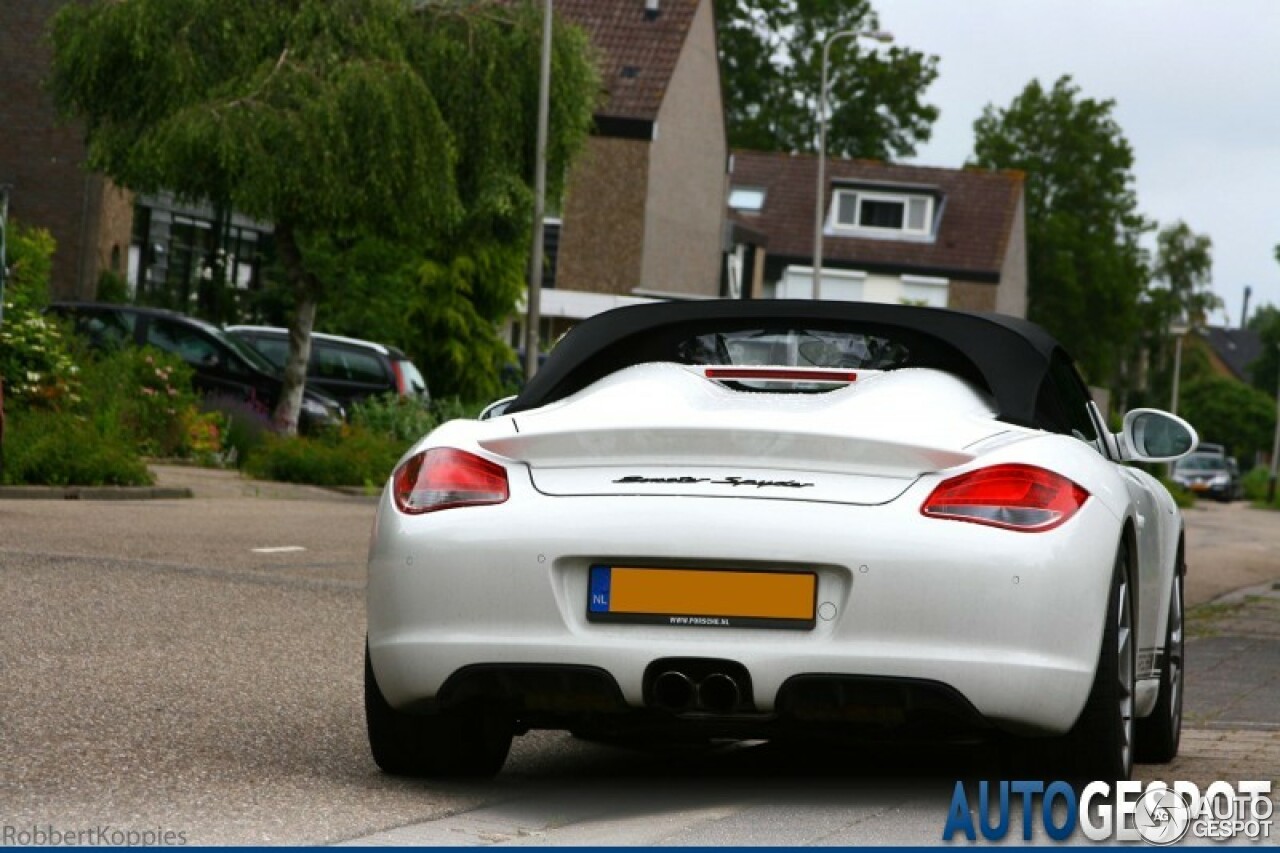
(883, 212)
(747, 199)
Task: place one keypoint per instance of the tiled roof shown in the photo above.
(977, 209)
(638, 51)
(1236, 347)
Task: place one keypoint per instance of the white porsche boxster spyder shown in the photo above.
(761, 518)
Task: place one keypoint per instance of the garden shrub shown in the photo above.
(57, 449)
(351, 456)
(393, 416)
(1255, 487)
(35, 357)
(245, 425)
(362, 453)
(147, 395)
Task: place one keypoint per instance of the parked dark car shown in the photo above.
(348, 369)
(1209, 473)
(222, 364)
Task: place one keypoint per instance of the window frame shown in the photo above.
(903, 198)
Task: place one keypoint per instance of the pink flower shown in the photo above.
(150, 392)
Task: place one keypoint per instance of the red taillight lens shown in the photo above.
(442, 478)
(1014, 497)
(402, 387)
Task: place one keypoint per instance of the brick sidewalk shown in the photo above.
(1231, 725)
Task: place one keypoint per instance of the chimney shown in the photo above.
(651, 9)
(1244, 315)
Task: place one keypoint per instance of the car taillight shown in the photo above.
(402, 387)
(442, 478)
(1014, 497)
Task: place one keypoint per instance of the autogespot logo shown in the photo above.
(1156, 813)
(1162, 816)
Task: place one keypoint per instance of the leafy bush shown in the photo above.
(245, 425)
(52, 448)
(407, 421)
(1255, 485)
(112, 287)
(360, 454)
(454, 408)
(351, 456)
(394, 417)
(145, 393)
(35, 359)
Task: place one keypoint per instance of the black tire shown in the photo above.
(467, 741)
(1100, 744)
(1160, 733)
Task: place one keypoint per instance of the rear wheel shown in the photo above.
(1160, 733)
(1100, 744)
(465, 741)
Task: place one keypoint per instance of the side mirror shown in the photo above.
(496, 409)
(1150, 435)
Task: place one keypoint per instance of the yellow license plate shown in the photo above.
(717, 598)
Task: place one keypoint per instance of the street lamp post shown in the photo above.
(1178, 330)
(878, 35)
(1275, 442)
(534, 299)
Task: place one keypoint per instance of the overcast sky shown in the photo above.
(1197, 91)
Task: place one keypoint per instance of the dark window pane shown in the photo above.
(881, 214)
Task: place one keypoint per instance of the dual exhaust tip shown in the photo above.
(676, 691)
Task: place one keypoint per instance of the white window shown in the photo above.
(862, 210)
(750, 199)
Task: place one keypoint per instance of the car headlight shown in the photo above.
(1220, 480)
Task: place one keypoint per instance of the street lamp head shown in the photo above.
(883, 36)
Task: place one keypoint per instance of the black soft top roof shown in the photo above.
(1006, 356)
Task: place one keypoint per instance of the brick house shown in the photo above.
(644, 213)
(42, 160)
(952, 238)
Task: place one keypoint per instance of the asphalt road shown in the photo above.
(181, 665)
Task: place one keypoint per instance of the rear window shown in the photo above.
(346, 364)
(274, 350)
(796, 348)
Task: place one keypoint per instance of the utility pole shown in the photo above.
(534, 298)
(4, 258)
(1275, 443)
(4, 277)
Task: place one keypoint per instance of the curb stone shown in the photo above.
(93, 493)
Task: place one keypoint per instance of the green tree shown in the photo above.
(1263, 371)
(1178, 293)
(1184, 267)
(1231, 413)
(331, 119)
(771, 64)
(1085, 265)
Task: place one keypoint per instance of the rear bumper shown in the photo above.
(1008, 622)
